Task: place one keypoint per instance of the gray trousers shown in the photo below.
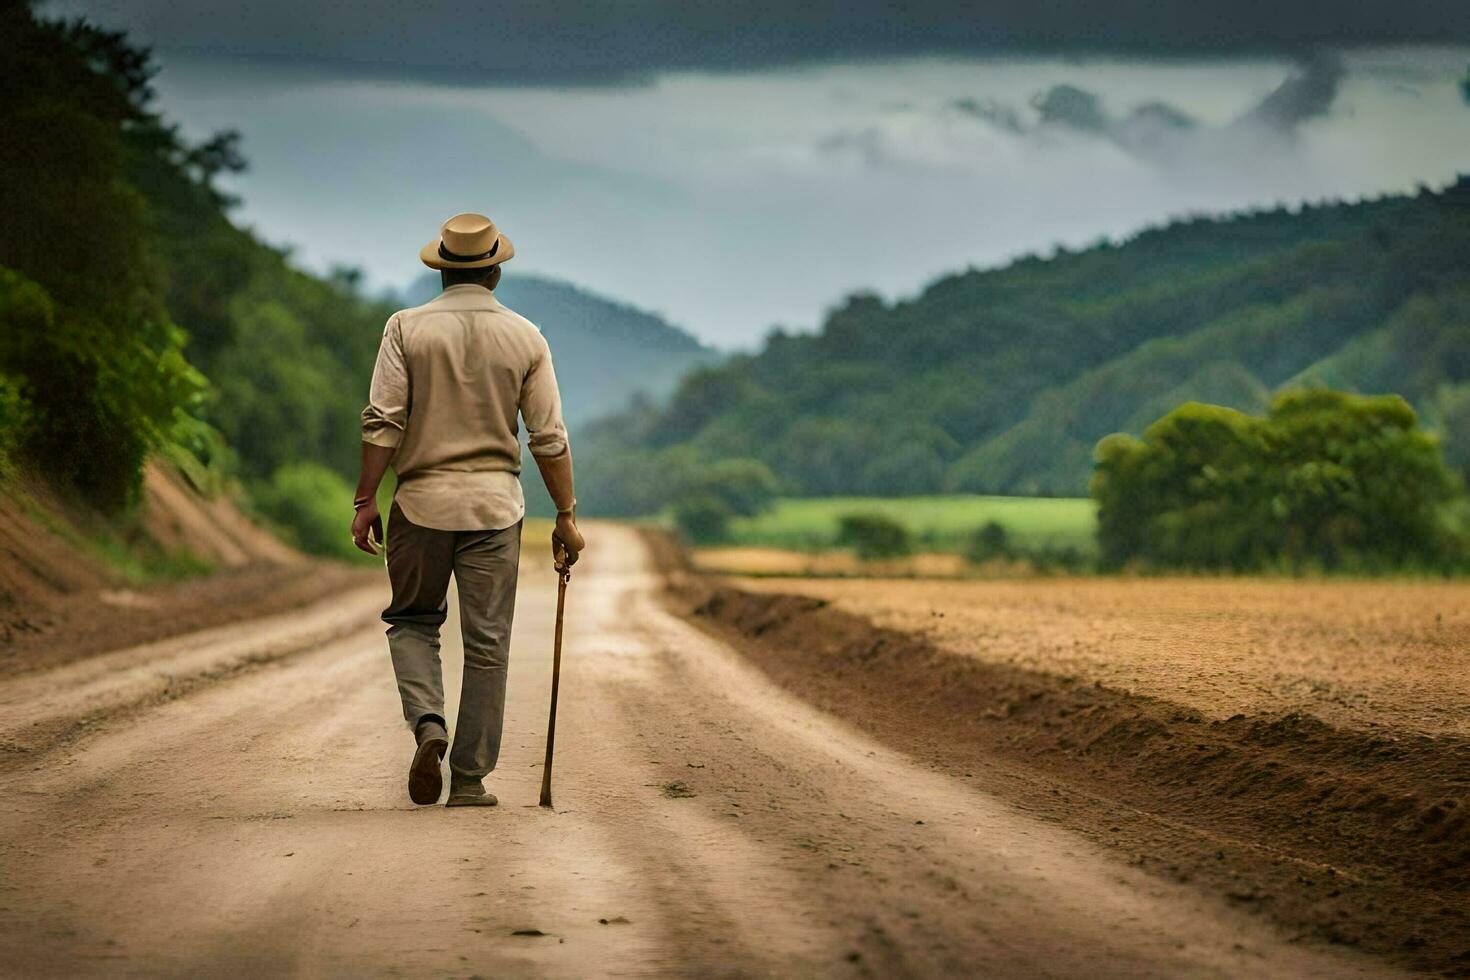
(484, 565)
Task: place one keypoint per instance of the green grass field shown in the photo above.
(937, 523)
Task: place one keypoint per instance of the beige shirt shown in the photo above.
(450, 379)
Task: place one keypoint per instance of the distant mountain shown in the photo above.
(1003, 380)
(605, 351)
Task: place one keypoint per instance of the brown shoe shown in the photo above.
(468, 792)
(425, 780)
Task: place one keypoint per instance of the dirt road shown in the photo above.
(234, 804)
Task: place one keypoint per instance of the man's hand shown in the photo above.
(365, 521)
(556, 472)
(567, 538)
(375, 460)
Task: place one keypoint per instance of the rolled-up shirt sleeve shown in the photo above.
(388, 398)
(541, 408)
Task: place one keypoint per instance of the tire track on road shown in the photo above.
(48, 709)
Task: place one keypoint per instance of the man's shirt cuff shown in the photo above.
(552, 443)
(382, 434)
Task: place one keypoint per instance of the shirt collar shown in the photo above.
(468, 292)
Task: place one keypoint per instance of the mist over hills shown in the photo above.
(1003, 380)
(606, 352)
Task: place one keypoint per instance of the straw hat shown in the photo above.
(467, 241)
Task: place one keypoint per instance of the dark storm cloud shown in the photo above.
(1156, 132)
(1153, 131)
(570, 41)
(1161, 132)
(1002, 117)
(1305, 95)
(1075, 108)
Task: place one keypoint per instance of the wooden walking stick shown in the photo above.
(563, 575)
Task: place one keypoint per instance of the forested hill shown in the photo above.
(606, 352)
(138, 319)
(137, 316)
(1003, 380)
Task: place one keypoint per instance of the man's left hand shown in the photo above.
(367, 521)
(566, 540)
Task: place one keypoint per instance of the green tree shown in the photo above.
(88, 337)
(307, 500)
(744, 486)
(874, 536)
(989, 541)
(706, 496)
(702, 519)
(1326, 478)
(1452, 406)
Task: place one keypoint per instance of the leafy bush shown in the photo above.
(745, 487)
(710, 494)
(874, 536)
(702, 519)
(1325, 479)
(1068, 559)
(990, 541)
(15, 414)
(312, 505)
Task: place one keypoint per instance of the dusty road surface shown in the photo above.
(234, 804)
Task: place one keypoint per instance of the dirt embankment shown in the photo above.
(61, 601)
(1355, 837)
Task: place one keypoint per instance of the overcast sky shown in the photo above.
(735, 180)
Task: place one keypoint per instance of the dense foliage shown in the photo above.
(92, 365)
(136, 315)
(1002, 381)
(116, 241)
(1325, 479)
(706, 497)
(874, 536)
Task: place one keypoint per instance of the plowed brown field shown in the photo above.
(1357, 654)
(1302, 748)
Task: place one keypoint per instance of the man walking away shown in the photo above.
(451, 378)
